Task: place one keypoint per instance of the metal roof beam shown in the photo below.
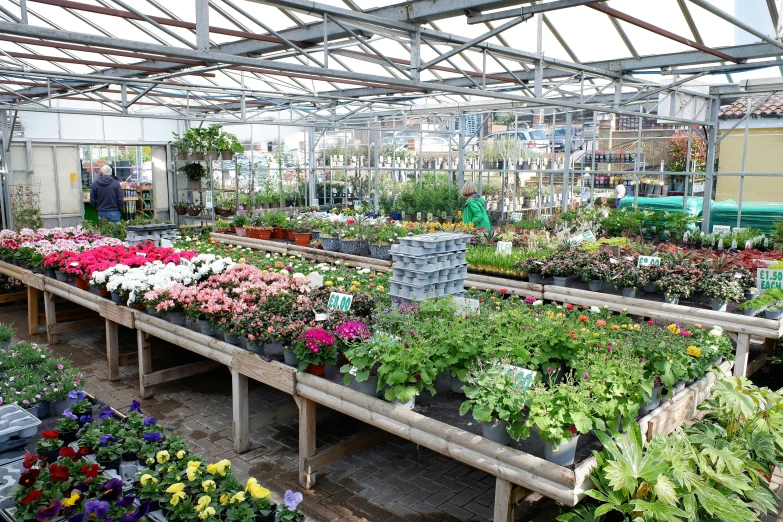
(522, 11)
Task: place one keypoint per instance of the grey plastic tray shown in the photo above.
(15, 421)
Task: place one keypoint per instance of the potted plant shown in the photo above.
(67, 426)
(194, 171)
(288, 510)
(627, 277)
(228, 145)
(222, 226)
(361, 359)
(561, 412)
(315, 348)
(353, 238)
(496, 395)
(48, 446)
(405, 368)
(109, 452)
(276, 220)
(593, 268)
(300, 230)
(532, 266)
(674, 283)
(180, 207)
(381, 238)
(330, 241)
(559, 266)
(194, 209)
(530, 193)
(258, 228)
(239, 222)
(721, 288)
(182, 145)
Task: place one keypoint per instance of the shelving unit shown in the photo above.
(205, 195)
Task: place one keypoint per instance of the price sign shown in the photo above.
(429, 216)
(340, 302)
(184, 262)
(357, 205)
(516, 216)
(581, 238)
(418, 216)
(443, 214)
(767, 278)
(544, 217)
(720, 229)
(504, 247)
(208, 199)
(648, 261)
(402, 213)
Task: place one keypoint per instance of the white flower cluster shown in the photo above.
(135, 282)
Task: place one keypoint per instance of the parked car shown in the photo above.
(533, 138)
(588, 129)
(577, 138)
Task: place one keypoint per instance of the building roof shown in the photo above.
(771, 108)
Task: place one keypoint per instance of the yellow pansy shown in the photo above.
(624, 326)
(175, 490)
(380, 289)
(264, 271)
(73, 499)
(238, 497)
(192, 470)
(256, 491)
(209, 486)
(162, 457)
(693, 351)
(147, 479)
(181, 454)
(150, 461)
(170, 469)
(242, 260)
(203, 503)
(208, 512)
(673, 329)
(225, 497)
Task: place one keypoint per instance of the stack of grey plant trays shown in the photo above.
(138, 234)
(17, 426)
(429, 266)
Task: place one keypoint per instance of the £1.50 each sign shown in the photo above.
(767, 278)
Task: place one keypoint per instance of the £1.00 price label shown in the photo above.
(340, 302)
(648, 261)
(767, 278)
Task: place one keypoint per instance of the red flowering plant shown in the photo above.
(49, 441)
(315, 346)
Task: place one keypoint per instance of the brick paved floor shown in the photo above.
(393, 481)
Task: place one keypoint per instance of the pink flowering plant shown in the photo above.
(351, 333)
(315, 346)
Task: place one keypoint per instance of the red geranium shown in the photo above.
(59, 473)
(91, 471)
(30, 460)
(583, 318)
(50, 434)
(28, 478)
(33, 496)
(83, 452)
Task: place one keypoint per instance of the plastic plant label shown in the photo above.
(340, 302)
(184, 262)
(402, 213)
(443, 214)
(321, 317)
(165, 243)
(418, 216)
(516, 216)
(525, 378)
(429, 216)
(357, 205)
(353, 371)
(767, 278)
(581, 238)
(316, 280)
(720, 229)
(648, 261)
(504, 247)
(208, 199)
(467, 307)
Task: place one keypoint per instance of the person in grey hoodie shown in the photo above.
(106, 196)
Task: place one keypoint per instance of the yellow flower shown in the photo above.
(225, 497)
(238, 497)
(380, 289)
(614, 327)
(355, 283)
(242, 260)
(673, 329)
(170, 469)
(203, 503)
(256, 491)
(328, 283)
(583, 330)
(162, 457)
(73, 499)
(209, 486)
(560, 315)
(192, 470)
(208, 512)
(176, 493)
(624, 326)
(697, 326)
(264, 271)
(150, 461)
(147, 478)
(219, 468)
(181, 454)
(693, 351)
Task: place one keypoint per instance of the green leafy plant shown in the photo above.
(560, 411)
(194, 171)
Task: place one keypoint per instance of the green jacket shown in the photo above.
(475, 211)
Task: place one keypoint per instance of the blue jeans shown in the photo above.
(109, 215)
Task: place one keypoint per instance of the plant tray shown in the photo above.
(421, 263)
(16, 422)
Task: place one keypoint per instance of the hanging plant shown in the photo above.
(194, 171)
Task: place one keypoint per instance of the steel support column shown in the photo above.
(709, 178)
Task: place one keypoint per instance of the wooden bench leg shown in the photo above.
(743, 348)
(145, 363)
(306, 441)
(51, 317)
(504, 508)
(112, 350)
(32, 310)
(241, 423)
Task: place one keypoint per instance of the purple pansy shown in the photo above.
(97, 508)
(105, 414)
(152, 437)
(135, 406)
(67, 413)
(106, 439)
(85, 419)
(150, 421)
(111, 489)
(77, 395)
(292, 499)
(45, 513)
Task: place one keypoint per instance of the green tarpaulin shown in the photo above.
(755, 214)
(668, 204)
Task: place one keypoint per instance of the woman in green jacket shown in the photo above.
(474, 211)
